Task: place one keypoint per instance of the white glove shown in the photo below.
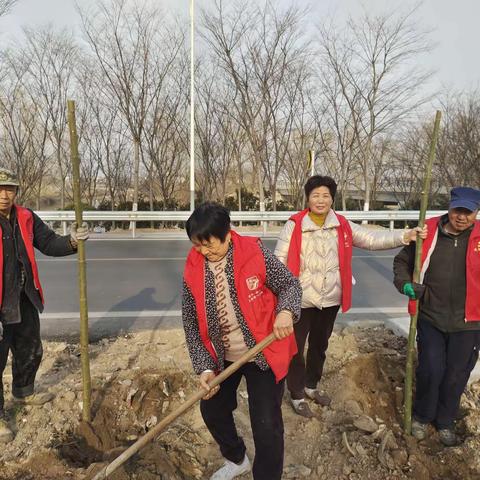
(79, 233)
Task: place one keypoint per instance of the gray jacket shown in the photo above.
(319, 268)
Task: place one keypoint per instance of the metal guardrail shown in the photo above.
(95, 216)
(182, 216)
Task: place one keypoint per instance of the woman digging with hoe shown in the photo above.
(235, 293)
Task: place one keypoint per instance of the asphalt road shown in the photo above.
(135, 284)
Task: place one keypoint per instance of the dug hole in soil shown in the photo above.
(138, 379)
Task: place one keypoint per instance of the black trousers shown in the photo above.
(317, 325)
(23, 340)
(445, 361)
(264, 403)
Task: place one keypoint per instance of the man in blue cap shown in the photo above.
(449, 312)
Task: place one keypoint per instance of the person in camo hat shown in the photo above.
(449, 312)
(21, 297)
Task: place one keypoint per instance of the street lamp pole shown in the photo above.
(192, 106)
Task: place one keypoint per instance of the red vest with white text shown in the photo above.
(472, 300)
(257, 302)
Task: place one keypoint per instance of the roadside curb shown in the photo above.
(399, 326)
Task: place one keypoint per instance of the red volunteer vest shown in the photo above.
(257, 302)
(25, 223)
(472, 300)
(345, 250)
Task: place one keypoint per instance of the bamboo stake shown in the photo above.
(82, 270)
(407, 418)
(152, 434)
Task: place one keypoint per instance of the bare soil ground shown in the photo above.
(137, 379)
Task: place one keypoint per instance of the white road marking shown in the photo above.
(119, 259)
(383, 310)
(178, 313)
(113, 314)
(156, 259)
(166, 237)
(373, 256)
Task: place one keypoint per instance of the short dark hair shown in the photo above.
(320, 181)
(208, 220)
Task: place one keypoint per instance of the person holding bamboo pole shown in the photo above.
(317, 244)
(21, 296)
(235, 294)
(448, 335)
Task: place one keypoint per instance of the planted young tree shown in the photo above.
(82, 269)
(407, 419)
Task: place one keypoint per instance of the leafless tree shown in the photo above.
(458, 151)
(6, 6)
(207, 131)
(263, 100)
(51, 57)
(23, 148)
(134, 50)
(407, 157)
(257, 46)
(307, 131)
(166, 133)
(219, 138)
(24, 132)
(335, 122)
(374, 61)
(106, 139)
(404, 174)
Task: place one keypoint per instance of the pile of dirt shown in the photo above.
(138, 379)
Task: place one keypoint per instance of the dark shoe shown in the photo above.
(319, 399)
(419, 430)
(6, 434)
(448, 437)
(35, 399)
(302, 408)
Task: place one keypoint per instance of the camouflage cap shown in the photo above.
(7, 177)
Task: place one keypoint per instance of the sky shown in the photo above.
(456, 33)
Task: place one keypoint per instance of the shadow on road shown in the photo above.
(143, 301)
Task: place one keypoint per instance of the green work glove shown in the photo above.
(409, 291)
(414, 290)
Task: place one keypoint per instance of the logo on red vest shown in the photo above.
(252, 283)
